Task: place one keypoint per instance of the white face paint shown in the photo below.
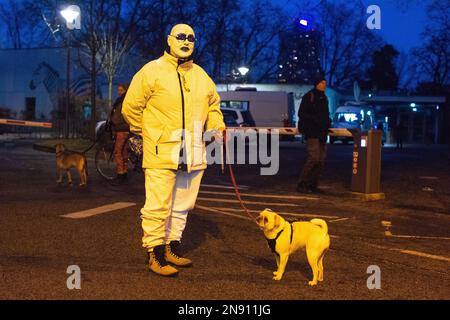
(178, 41)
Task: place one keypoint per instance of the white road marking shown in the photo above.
(219, 186)
(259, 195)
(424, 255)
(280, 213)
(389, 234)
(99, 210)
(250, 202)
(412, 252)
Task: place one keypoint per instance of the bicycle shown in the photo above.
(104, 156)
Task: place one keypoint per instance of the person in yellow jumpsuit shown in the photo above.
(171, 102)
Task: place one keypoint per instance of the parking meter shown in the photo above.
(366, 164)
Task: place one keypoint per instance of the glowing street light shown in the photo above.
(304, 22)
(72, 16)
(243, 70)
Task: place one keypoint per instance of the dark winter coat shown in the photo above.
(314, 117)
(117, 120)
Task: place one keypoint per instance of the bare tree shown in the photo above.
(154, 29)
(109, 30)
(407, 71)
(259, 27)
(118, 36)
(229, 33)
(433, 58)
(20, 20)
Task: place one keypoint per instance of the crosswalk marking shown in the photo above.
(99, 210)
(267, 204)
(258, 195)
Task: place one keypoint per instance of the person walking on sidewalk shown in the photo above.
(171, 102)
(314, 123)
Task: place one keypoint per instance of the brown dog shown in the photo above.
(66, 159)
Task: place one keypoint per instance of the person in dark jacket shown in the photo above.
(314, 122)
(121, 130)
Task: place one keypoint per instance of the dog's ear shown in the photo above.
(277, 221)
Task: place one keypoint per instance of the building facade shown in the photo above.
(299, 54)
(33, 82)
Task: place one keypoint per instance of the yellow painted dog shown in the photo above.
(285, 238)
(69, 159)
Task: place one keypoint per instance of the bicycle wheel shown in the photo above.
(104, 162)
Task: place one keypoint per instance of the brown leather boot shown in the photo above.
(173, 255)
(158, 264)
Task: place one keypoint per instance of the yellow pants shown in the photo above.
(169, 196)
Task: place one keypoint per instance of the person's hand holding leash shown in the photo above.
(218, 136)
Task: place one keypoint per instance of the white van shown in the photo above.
(352, 116)
(259, 108)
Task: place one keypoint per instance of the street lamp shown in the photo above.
(73, 21)
(243, 70)
(72, 16)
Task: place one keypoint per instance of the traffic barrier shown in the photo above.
(341, 132)
(24, 123)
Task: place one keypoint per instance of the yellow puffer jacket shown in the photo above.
(158, 97)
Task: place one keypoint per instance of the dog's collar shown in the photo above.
(59, 153)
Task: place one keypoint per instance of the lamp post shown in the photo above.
(72, 16)
(243, 71)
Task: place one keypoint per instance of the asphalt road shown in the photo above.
(407, 235)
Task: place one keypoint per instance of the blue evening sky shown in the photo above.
(402, 21)
(401, 24)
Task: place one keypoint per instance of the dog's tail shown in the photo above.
(321, 223)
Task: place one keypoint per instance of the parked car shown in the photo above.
(236, 118)
(259, 108)
(352, 116)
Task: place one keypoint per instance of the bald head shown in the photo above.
(181, 41)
